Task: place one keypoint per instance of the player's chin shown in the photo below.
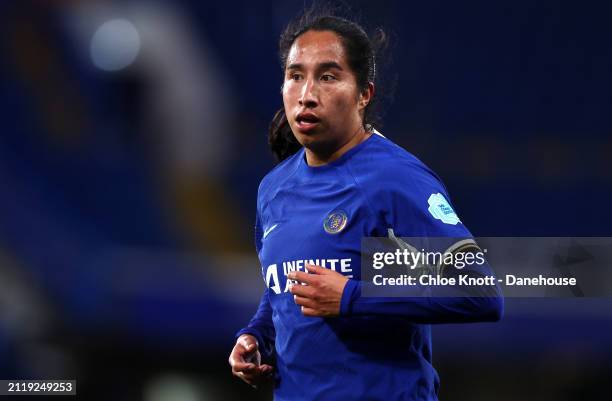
(315, 144)
(307, 139)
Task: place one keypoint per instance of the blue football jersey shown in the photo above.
(375, 349)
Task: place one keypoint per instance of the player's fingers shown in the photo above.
(243, 367)
(258, 371)
(250, 376)
(302, 277)
(303, 301)
(256, 375)
(236, 355)
(306, 311)
(303, 291)
(253, 357)
(249, 343)
(314, 269)
(246, 350)
(265, 368)
(239, 355)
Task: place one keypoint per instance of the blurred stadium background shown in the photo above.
(133, 138)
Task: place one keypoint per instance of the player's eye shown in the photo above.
(327, 77)
(295, 77)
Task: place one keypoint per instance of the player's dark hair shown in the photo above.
(361, 53)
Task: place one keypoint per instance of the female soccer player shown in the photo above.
(340, 180)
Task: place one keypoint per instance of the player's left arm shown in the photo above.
(417, 207)
(326, 293)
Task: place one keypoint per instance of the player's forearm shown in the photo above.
(261, 327)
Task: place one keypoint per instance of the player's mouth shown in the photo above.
(306, 122)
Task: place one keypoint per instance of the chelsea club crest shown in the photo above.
(335, 222)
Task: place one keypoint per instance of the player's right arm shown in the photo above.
(254, 343)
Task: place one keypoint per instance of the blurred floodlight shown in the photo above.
(115, 45)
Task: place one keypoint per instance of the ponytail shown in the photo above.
(281, 140)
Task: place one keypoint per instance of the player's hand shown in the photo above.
(245, 361)
(322, 293)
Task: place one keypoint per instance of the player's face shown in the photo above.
(322, 102)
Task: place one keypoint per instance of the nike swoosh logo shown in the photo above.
(269, 230)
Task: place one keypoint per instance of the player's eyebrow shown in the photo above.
(326, 65)
(295, 66)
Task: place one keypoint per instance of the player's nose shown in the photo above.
(309, 94)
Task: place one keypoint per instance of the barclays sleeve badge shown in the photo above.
(440, 209)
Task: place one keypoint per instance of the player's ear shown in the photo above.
(366, 95)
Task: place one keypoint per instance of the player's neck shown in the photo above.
(317, 159)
